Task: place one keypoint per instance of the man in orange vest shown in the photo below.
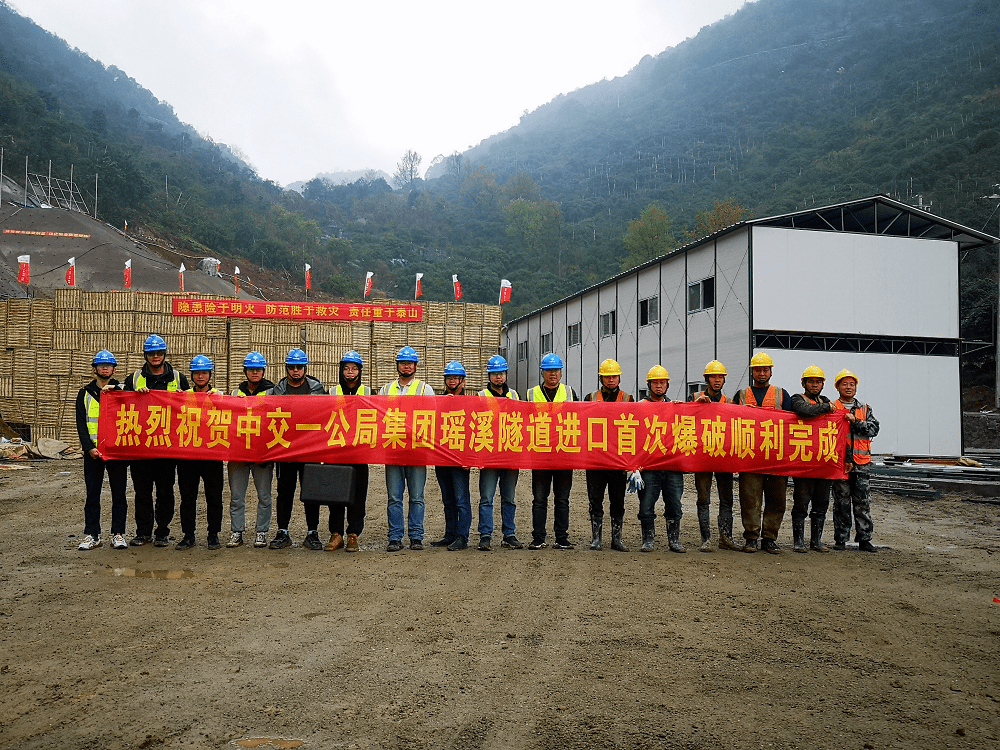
(853, 492)
(609, 375)
(715, 380)
(808, 491)
(767, 490)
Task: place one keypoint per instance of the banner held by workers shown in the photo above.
(471, 431)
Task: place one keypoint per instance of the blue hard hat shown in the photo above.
(551, 362)
(496, 363)
(201, 363)
(255, 360)
(154, 343)
(407, 354)
(352, 356)
(454, 368)
(104, 357)
(297, 357)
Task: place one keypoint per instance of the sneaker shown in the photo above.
(260, 540)
(485, 543)
(335, 543)
(416, 544)
(138, 540)
(90, 542)
(161, 541)
(537, 544)
(460, 543)
(564, 544)
(512, 542)
(395, 545)
(750, 545)
(443, 541)
(770, 546)
(352, 543)
(118, 541)
(281, 540)
(213, 541)
(187, 542)
(863, 546)
(236, 540)
(312, 541)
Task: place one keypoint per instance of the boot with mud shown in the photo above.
(616, 535)
(726, 535)
(674, 536)
(816, 535)
(799, 535)
(648, 536)
(705, 525)
(597, 529)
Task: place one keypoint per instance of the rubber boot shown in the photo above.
(705, 525)
(816, 535)
(648, 536)
(674, 536)
(726, 534)
(799, 535)
(616, 535)
(597, 528)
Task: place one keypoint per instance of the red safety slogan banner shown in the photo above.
(470, 431)
(298, 310)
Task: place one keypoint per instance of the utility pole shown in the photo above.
(996, 386)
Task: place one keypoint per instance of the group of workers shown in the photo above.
(761, 496)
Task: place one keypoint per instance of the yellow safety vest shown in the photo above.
(535, 394)
(93, 412)
(139, 381)
(261, 392)
(338, 390)
(412, 390)
(511, 393)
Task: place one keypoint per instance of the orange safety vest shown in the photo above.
(861, 447)
(599, 396)
(770, 398)
(722, 397)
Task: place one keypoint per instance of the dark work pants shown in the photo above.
(290, 473)
(93, 478)
(560, 481)
(147, 473)
(355, 513)
(811, 493)
(612, 479)
(190, 473)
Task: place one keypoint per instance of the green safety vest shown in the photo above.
(412, 390)
(535, 394)
(338, 390)
(93, 412)
(512, 394)
(139, 381)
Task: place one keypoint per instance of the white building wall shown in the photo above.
(732, 305)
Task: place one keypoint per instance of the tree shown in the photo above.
(723, 214)
(647, 237)
(408, 169)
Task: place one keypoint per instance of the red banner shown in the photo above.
(470, 431)
(299, 310)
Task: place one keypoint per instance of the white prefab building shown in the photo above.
(871, 285)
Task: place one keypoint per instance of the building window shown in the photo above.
(522, 351)
(701, 295)
(573, 335)
(545, 343)
(609, 324)
(649, 311)
(502, 351)
(694, 388)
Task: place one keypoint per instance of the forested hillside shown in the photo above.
(783, 105)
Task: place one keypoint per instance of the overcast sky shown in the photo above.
(323, 85)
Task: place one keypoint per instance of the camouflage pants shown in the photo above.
(852, 494)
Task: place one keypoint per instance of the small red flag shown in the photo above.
(368, 282)
(128, 274)
(458, 286)
(236, 278)
(309, 277)
(24, 269)
(180, 276)
(419, 291)
(505, 290)
(71, 272)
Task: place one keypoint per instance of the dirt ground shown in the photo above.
(155, 648)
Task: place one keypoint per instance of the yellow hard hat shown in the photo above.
(812, 371)
(609, 367)
(845, 373)
(761, 360)
(657, 372)
(715, 367)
